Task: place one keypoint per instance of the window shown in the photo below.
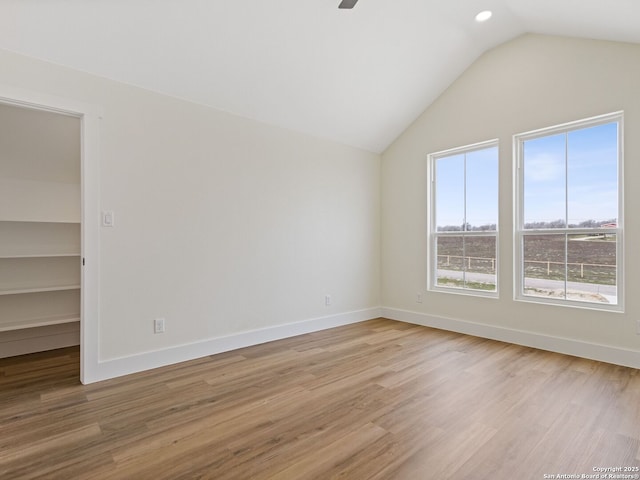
(569, 214)
(464, 219)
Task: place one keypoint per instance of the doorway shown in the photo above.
(48, 190)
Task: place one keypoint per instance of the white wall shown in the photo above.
(39, 161)
(225, 225)
(222, 225)
(531, 82)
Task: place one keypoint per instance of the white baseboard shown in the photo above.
(39, 339)
(145, 361)
(577, 348)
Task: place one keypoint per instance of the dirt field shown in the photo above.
(591, 259)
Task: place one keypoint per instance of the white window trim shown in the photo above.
(432, 233)
(518, 182)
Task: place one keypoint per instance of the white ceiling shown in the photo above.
(359, 77)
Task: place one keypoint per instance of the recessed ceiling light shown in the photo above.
(484, 16)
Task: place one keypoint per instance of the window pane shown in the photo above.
(450, 253)
(544, 265)
(480, 263)
(592, 268)
(482, 189)
(544, 182)
(593, 176)
(450, 193)
(467, 262)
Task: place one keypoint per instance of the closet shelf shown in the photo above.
(39, 322)
(38, 255)
(53, 288)
(39, 221)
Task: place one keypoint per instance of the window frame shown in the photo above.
(433, 234)
(520, 232)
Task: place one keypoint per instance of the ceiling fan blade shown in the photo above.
(347, 3)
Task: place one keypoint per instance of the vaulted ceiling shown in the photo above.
(358, 77)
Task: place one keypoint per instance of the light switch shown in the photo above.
(107, 219)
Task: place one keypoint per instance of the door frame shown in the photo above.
(90, 117)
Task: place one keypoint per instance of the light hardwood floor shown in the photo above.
(375, 400)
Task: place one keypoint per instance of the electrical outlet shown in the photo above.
(327, 300)
(418, 298)
(158, 325)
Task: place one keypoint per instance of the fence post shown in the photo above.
(548, 268)
(582, 270)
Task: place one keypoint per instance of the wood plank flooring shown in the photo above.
(375, 400)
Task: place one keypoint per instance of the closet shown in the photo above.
(40, 236)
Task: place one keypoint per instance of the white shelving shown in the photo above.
(39, 239)
(40, 231)
(39, 322)
(41, 255)
(56, 288)
(33, 274)
(39, 274)
(30, 308)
